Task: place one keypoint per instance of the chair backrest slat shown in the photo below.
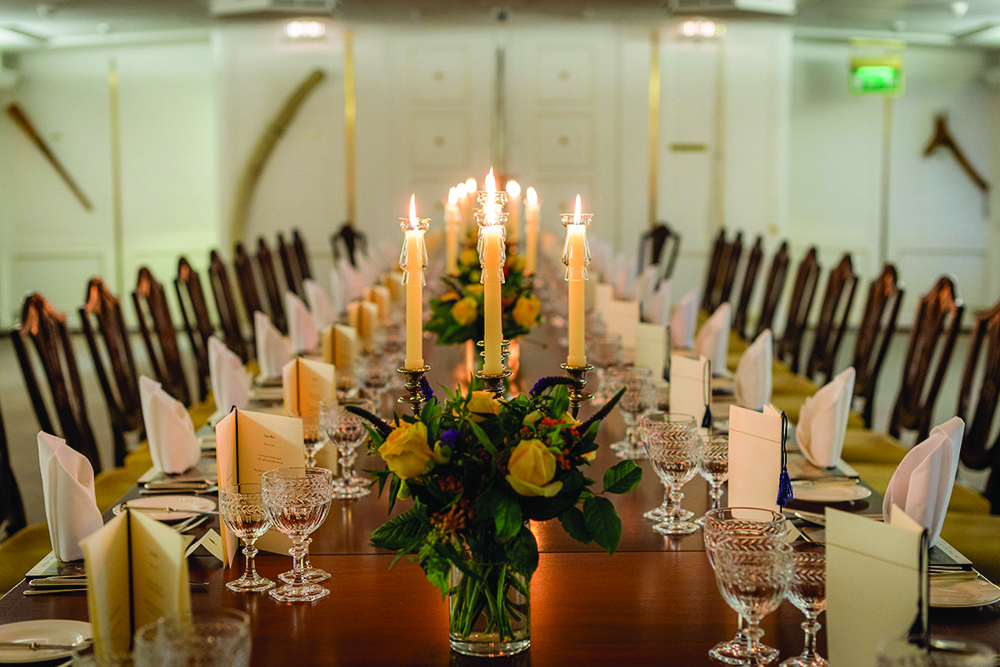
(249, 291)
(834, 311)
(225, 304)
(789, 348)
(275, 296)
(777, 273)
(290, 267)
(301, 256)
(197, 323)
(12, 518)
(714, 266)
(352, 240)
(878, 324)
(159, 335)
(747, 286)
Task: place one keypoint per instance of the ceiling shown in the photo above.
(30, 23)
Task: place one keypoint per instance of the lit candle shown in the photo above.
(463, 204)
(451, 214)
(470, 204)
(491, 259)
(530, 230)
(514, 206)
(576, 256)
(413, 262)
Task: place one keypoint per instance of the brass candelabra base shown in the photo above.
(576, 393)
(494, 382)
(414, 388)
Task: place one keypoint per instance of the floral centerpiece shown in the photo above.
(457, 316)
(477, 470)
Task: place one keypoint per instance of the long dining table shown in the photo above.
(654, 601)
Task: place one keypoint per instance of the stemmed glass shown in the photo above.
(674, 446)
(346, 431)
(754, 578)
(241, 508)
(604, 350)
(639, 397)
(297, 501)
(312, 438)
(742, 526)
(375, 374)
(714, 469)
(808, 593)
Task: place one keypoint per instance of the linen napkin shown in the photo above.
(273, 349)
(921, 485)
(351, 282)
(324, 312)
(68, 492)
(684, 320)
(656, 309)
(754, 457)
(230, 381)
(301, 325)
(645, 284)
(336, 291)
(752, 382)
(823, 421)
(713, 338)
(172, 442)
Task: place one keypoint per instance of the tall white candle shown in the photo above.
(463, 204)
(451, 232)
(576, 257)
(470, 205)
(491, 260)
(514, 210)
(530, 230)
(413, 263)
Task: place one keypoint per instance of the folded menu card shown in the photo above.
(874, 577)
(651, 349)
(324, 312)
(922, 483)
(752, 382)
(381, 297)
(302, 329)
(363, 316)
(684, 320)
(68, 492)
(691, 387)
(754, 457)
(622, 318)
(136, 573)
(229, 379)
(172, 443)
(305, 383)
(713, 338)
(823, 421)
(339, 346)
(248, 444)
(603, 295)
(273, 349)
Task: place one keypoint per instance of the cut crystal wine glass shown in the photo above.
(375, 374)
(808, 593)
(604, 350)
(241, 509)
(674, 446)
(347, 432)
(714, 469)
(639, 397)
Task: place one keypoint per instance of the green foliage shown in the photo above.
(622, 477)
(603, 522)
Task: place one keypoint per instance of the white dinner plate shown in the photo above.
(828, 492)
(48, 631)
(189, 506)
(970, 593)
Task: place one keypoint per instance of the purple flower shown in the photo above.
(425, 387)
(551, 381)
(450, 438)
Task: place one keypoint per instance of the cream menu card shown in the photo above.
(754, 457)
(690, 387)
(304, 384)
(651, 345)
(339, 347)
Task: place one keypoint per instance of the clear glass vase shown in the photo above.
(490, 613)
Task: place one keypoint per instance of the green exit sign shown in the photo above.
(876, 76)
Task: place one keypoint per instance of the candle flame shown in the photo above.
(513, 189)
(413, 210)
(491, 183)
(460, 191)
(452, 196)
(470, 186)
(531, 196)
(576, 214)
(489, 207)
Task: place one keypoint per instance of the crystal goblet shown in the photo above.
(347, 432)
(375, 373)
(808, 593)
(639, 397)
(714, 469)
(220, 638)
(674, 446)
(604, 350)
(241, 509)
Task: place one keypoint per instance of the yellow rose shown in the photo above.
(516, 263)
(526, 310)
(475, 290)
(469, 257)
(532, 467)
(405, 451)
(483, 403)
(465, 311)
(450, 295)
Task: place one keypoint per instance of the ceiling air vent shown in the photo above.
(786, 7)
(243, 7)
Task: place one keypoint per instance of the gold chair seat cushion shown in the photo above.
(788, 383)
(975, 537)
(865, 446)
(963, 499)
(20, 552)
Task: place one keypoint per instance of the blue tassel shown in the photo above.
(784, 482)
(706, 421)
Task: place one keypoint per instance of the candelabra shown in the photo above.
(576, 393)
(415, 387)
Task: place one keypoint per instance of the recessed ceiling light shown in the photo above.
(959, 9)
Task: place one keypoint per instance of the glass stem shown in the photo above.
(347, 467)
(715, 493)
(753, 646)
(811, 628)
(675, 499)
(249, 550)
(300, 557)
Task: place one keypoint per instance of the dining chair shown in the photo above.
(249, 291)
(275, 296)
(789, 348)
(225, 305)
(651, 244)
(12, 518)
(978, 452)
(939, 312)
(290, 267)
(46, 328)
(197, 323)
(834, 311)
(732, 257)
(747, 286)
(714, 266)
(773, 289)
(159, 335)
(299, 244)
(878, 324)
(101, 313)
(352, 240)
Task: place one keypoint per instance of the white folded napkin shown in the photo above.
(336, 292)
(713, 339)
(351, 281)
(302, 329)
(323, 311)
(229, 379)
(273, 349)
(921, 485)
(645, 284)
(752, 382)
(684, 321)
(656, 308)
(172, 442)
(68, 492)
(823, 420)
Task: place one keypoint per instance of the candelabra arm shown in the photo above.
(414, 388)
(576, 393)
(494, 383)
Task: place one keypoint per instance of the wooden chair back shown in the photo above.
(248, 288)
(668, 255)
(46, 328)
(159, 335)
(777, 273)
(803, 293)
(834, 311)
(101, 313)
(352, 240)
(651, 245)
(197, 323)
(978, 452)
(733, 255)
(746, 288)
(275, 297)
(12, 517)
(714, 266)
(940, 312)
(290, 267)
(225, 304)
(301, 256)
(878, 324)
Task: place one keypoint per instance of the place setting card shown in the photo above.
(305, 383)
(691, 388)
